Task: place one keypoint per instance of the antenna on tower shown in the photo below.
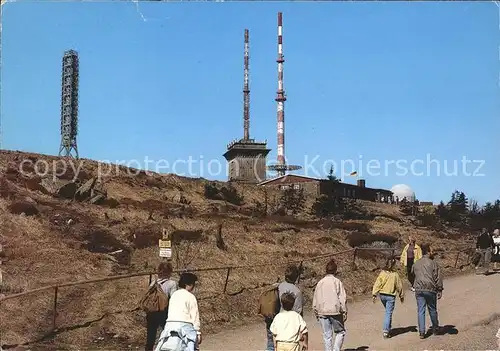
(246, 92)
(281, 167)
(69, 104)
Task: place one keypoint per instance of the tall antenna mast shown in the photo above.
(69, 104)
(281, 167)
(246, 92)
(280, 97)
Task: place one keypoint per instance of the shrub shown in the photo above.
(292, 201)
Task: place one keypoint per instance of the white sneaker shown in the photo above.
(412, 289)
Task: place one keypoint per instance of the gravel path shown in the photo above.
(469, 311)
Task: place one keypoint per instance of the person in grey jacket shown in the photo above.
(428, 289)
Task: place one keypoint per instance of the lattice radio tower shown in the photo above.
(69, 104)
(281, 167)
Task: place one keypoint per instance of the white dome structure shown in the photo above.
(403, 191)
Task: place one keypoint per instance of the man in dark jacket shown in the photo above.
(484, 246)
(428, 289)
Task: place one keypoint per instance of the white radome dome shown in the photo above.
(403, 191)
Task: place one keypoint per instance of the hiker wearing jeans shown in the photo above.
(484, 246)
(387, 286)
(428, 289)
(410, 254)
(289, 285)
(330, 308)
(157, 319)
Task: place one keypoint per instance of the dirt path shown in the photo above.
(470, 310)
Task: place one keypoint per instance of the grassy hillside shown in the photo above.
(49, 237)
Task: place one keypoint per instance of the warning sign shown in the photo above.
(164, 252)
(165, 248)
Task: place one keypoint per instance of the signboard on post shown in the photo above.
(165, 245)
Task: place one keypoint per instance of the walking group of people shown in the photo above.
(425, 280)
(178, 316)
(287, 330)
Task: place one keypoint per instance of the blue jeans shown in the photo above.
(330, 325)
(270, 341)
(426, 299)
(388, 301)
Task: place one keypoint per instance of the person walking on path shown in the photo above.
(182, 330)
(330, 308)
(428, 289)
(157, 319)
(289, 285)
(388, 286)
(410, 254)
(288, 327)
(496, 248)
(484, 246)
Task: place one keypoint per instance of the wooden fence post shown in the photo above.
(227, 279)
(150, 279)
(456, 260)
(55, 309)
(354, 257)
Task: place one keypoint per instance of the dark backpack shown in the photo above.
(154, 300)
(269, 302)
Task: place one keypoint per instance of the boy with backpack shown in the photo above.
(288, 327)
(155, 302)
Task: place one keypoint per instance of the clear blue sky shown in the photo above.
(387, 81)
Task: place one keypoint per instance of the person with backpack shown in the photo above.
(289, 285)
(330, 308)
(158, 295)
(288, 327)
(410, 254)
(182, 330)
(387, 286)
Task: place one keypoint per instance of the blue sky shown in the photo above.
(387, 81)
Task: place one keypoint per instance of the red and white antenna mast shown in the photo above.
(246, 92)
(281, 167)
(280, 97)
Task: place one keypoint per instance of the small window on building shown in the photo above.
(353, 193)
(296, 186)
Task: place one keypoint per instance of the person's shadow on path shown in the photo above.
(447, 330)
(443, 330)
(403, 330)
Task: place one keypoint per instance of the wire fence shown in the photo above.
(65, 292)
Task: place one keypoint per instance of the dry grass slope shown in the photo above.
(49, 239)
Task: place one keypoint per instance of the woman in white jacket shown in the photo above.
(330, 308)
